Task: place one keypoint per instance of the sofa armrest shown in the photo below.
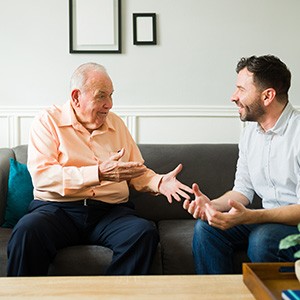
(5, 155)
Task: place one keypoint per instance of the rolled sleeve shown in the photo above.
(149, 182)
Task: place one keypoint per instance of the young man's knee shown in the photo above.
(263, 246)
(201, 227)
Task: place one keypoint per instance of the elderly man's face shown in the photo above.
(94, 101)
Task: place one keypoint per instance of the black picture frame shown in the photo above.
(144, 29)
(105, 38)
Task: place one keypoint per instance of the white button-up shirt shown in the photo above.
(269, 162)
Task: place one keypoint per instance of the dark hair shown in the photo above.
(268, 72)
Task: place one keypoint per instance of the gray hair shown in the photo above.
(80, 75)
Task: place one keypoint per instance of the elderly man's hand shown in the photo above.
(115, 170)
(172, 188)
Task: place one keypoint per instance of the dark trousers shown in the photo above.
(51, 226)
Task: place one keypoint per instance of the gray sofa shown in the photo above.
(212, 166)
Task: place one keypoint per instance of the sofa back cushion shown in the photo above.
(212, 166)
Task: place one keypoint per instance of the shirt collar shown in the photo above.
(281, 123)
(68, 118)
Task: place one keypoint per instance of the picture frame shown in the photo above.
(95, 26)
(144, 29)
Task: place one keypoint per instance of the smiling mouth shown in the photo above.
(240, 107)
(102, 113)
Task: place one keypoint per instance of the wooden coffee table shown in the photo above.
(126, 287)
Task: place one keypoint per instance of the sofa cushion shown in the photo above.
(211, 166)
(19, 193)
(81, 260)
(176, 238)
(91, 260)
(176, 246)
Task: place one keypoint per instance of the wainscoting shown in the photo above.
(147, 124)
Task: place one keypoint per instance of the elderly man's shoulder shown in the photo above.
(54, 113)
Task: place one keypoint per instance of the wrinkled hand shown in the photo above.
(172, 188)
(115, 170)
(197, 207)
(238, 214)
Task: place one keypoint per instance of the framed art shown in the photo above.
(95, 26)
(144, 29)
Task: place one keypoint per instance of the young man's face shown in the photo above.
(247, 97)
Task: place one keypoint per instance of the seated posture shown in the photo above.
(268, 164)
(82, 160)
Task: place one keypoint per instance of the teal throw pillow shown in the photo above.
(19, 193)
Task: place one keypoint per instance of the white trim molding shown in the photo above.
(147, 124)
(12, 119)
(158, 116)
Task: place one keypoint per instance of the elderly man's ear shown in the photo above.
(75, 94)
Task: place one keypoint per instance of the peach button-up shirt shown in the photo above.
(63, 158)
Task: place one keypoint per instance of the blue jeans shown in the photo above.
(214, 248)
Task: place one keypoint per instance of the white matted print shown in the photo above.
(144, 29)
(95, 26)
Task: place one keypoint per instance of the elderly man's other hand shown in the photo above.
(172, 188)
(115, 170)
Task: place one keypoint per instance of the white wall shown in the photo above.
(191, 68)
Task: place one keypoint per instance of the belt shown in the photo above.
(99, 203)
(89, 202)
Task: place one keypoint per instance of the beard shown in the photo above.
(253, 112)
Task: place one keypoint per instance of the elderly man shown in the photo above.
(82, 160)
